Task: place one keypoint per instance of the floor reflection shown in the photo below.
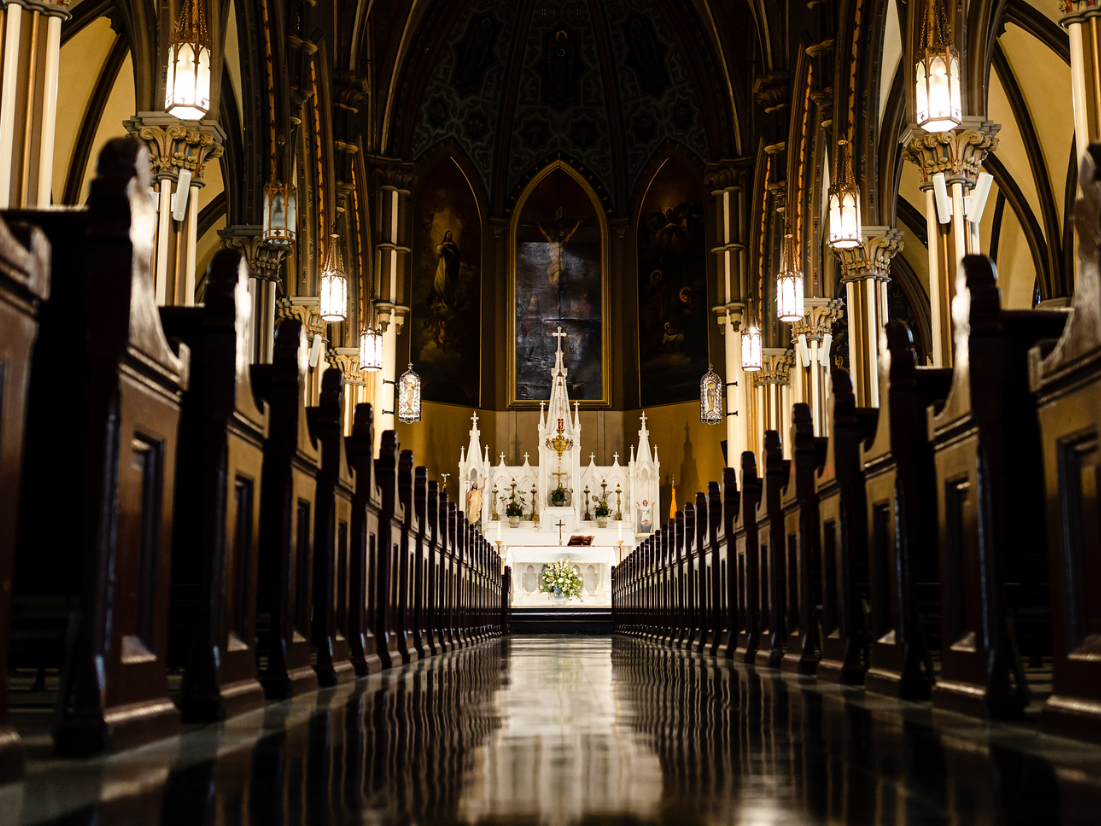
(563, 730)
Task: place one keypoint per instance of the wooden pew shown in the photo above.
(407, 559)
(287, 514)
(801, 544)
(716, 567)
(332, 535)
(24, 285)
(689, 626)
(989, 481)
(770, 542)
(388, 631)
(1066, 378)
(364, 551)
(435, 505)
(462, 635)
(104, 568)
(731, 498)
(843, 519)
(223, 428)
(678, 607)
(900, 478)
(451, 636)
(747, 630)
(422, 553)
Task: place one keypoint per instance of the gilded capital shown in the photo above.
(958, 153)
(307, 310)
(1078, 11)
(263, 259)
(821, 313)
(175, 145)
(723, 176)
(396, 175)
(872, 259)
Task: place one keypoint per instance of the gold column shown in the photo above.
(959, 156)
(175, 147)
(816, 329)
(347, 359)
(865, 272)
(31, 45)
(264, 263)
(308, 311)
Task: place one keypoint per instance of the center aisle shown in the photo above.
(576, 729)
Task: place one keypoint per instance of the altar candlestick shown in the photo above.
(619, 535)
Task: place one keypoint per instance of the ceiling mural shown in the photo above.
(565, 101)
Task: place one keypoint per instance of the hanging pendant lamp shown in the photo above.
(844, 201)
(187, 76)
(334, 284)
(937, 74)
(789, 281)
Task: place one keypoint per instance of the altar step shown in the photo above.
(562, 621)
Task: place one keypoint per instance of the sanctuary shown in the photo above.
(561, 509)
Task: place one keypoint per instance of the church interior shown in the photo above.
(550, 411)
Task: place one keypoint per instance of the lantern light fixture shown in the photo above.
(844, 202)
(334, 284)
(409, 396)
(370, 350)
(752, 354)
(187, 76)
(937, 74)
(789, 281)
(711, 397)
(280, 208)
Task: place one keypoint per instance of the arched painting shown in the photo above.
(672, 288)
(447, 267)
(558, 281)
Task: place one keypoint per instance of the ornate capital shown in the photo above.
(387, 311)
(393, 174)
(263, 259)
(872, 259)
(821, 313)
(175, 145)
(959, 154)
(306, 310)
(346, 359)
(725, 175)
(1078, 11)
(776, 366)
(771, 91)
(351, 91)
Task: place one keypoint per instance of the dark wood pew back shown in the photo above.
(770, 544)
(364, 549)
(748, 626)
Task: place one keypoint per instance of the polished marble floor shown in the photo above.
(586, 730)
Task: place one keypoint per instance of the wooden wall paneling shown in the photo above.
(332, 535)
(364, 548)
(802, 544)
(287, 513)
(842, 516)
(748, 575)
(24, 285)
(223, 429)
(770, 542)
(900, 490)
(108, 562)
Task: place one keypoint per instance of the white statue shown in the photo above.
(644, 522)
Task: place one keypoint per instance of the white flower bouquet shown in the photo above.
(560, 579)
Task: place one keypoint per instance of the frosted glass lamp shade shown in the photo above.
(409, 397)
(939, 106)
(844, 204)
(752, 356)
(711, 397)
(789, 284)
(370, 351)
(334, 284)
(280, 213)
(187, 83)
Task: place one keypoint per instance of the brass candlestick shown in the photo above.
(495, 517)
(588, 516)
(618, 511)
(534, 512)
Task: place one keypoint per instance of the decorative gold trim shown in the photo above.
(605, 324)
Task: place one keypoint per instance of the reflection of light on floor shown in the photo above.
(564, 750)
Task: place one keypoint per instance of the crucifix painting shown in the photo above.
(559, 282)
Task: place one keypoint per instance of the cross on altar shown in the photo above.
(644, 418)
(525, 458)
(616, 456)
(559, 335)
(561, 524)
(475, 420)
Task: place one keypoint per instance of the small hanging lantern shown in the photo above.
(789, 282)
(187, 77)
(370, 350)
(752, 355)
(409, 396)
(711, 397)
(845, 221)
(334, 284)
(939, 103)
(280, 209)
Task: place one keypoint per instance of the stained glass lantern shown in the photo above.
(844, 202)
(187, 76)
(789, 283)
(334, 284)
(752, 356)
(280, 213)
(409, 396)
(370, 350)
(711, 397)
(937, 74)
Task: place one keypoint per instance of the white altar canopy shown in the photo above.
(593, 563)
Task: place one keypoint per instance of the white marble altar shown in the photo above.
(592, 563)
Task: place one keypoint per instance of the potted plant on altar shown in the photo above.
(558, 496)
(602, 510)
(514, 509)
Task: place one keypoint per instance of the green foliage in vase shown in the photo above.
(560, 579)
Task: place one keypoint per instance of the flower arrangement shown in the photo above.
(515, 505)
(560, 579)
(558, 495)
(602, 507)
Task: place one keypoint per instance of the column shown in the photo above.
(177, 150)
(31, 37)
(959, 156)
(816, 328)
(307, 310)
(395, 181)
(264, 263)
(1081, 23)
(865, 272)
(726, 184)
(347, 360)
